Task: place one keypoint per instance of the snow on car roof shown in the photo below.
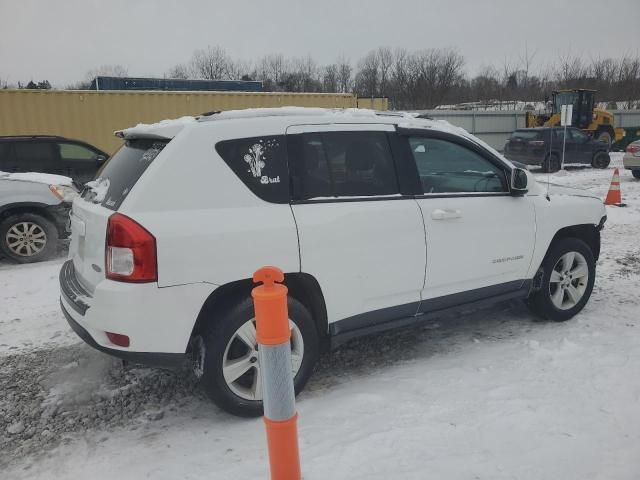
(35, 177)
(170, 128)
(163, 129)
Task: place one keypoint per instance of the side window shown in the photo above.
(71, 151)
(342, 164)
(34, 152)
(4, 153)
(261, 164)
(446, 167)
(578, 136)
(35, 156)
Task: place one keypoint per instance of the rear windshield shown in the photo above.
(525, 134)
(120, 173)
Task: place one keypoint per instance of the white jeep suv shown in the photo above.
(378, 220)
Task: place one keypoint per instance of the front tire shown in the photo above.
(28, 237)
(568, 275)
(226, 360)
(601, 160)
(635, 173)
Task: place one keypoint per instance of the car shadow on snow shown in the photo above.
(439, 336)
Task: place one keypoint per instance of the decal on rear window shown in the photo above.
(261, 164)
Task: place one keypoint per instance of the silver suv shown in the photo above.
(34, 213)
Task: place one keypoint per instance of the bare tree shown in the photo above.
(238, 70)
(367, 76)
(179, 71)
(385, 61)
(271, 69)
(629, 81)
(330, 78)
(211, 63)
(344, 74)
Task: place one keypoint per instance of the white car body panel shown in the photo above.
(211, 230)
(490, 241)
(378, 246)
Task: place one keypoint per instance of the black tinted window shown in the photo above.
(261, 164)
(525, 134)
(34, 151)
(578, 136)
(446, 167)
(4, 151)
(342, 164)
(123, 170)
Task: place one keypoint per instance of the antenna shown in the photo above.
(549, 161)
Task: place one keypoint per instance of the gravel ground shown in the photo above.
(53, 394)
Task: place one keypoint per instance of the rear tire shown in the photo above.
(569, 271)
(28, 237)
(551, 164)
(601, 160)
(635, 173)
(220, 345)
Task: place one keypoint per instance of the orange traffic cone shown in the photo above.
(614, 196)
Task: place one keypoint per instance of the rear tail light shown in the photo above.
(536, 143)
(632, 148)
(130, 251)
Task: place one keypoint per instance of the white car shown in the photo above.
(378, 220)
(631, 159)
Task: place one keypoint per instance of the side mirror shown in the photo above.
(518, 182)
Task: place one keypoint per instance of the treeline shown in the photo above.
(424, 79)
(420, 79)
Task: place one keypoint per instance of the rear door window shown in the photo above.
(35, 157)
(121, 172)
(261, 164)
(342, 164)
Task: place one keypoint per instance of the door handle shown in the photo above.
(445, 214)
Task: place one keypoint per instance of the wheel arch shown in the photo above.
(302, 286)
(29, 207)
(588, 233)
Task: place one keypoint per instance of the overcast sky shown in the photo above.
(62, 40)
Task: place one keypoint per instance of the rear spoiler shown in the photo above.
(165, 130)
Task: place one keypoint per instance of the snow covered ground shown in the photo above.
(493, 394)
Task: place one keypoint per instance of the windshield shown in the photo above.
(565, 98)
(120, 173)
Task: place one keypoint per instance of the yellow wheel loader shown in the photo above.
(593, 121)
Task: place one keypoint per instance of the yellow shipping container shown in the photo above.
(93, 116)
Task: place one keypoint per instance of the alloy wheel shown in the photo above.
(26, 239)
(240, 364)
(569, 279)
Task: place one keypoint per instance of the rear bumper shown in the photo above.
(158, 321)
(166, 360)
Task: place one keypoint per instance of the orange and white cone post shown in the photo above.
(614, 195)
(278, 395)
